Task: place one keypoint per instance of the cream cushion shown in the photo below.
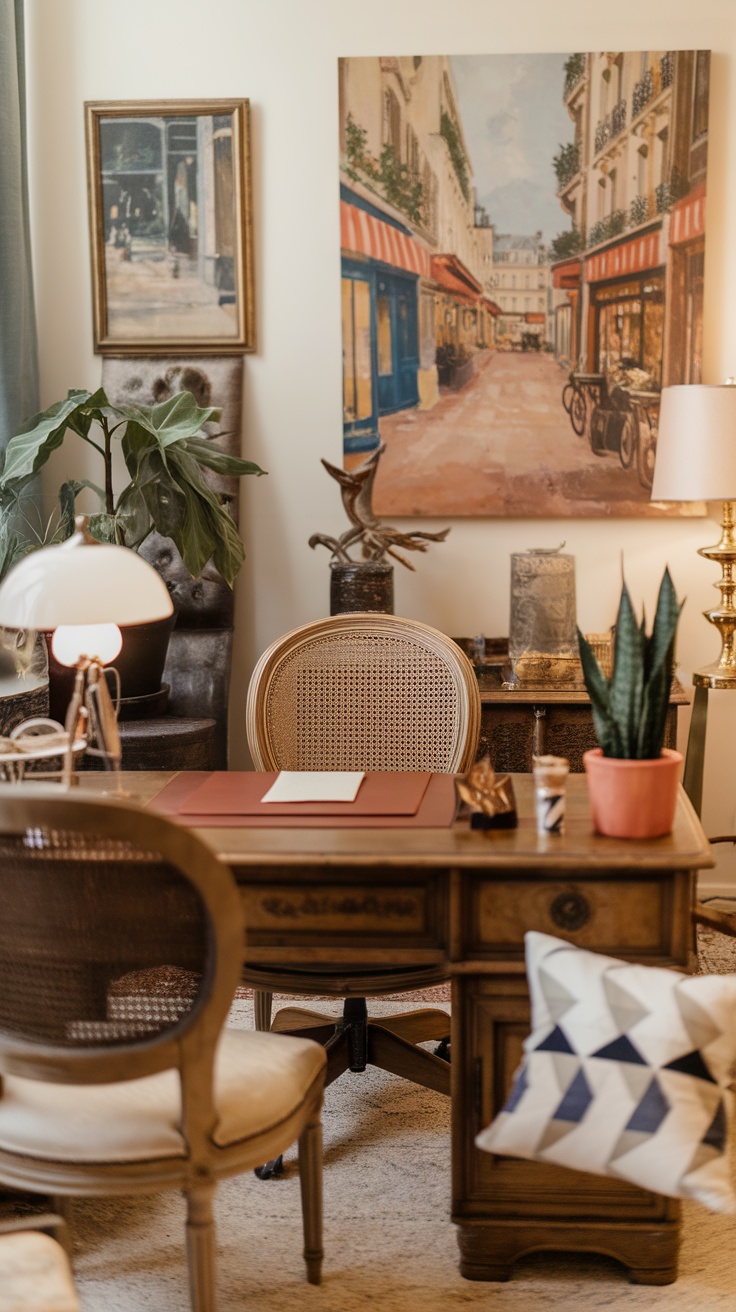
(260, 1080)
(35, 1275)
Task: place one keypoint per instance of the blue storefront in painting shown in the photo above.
(382, 263)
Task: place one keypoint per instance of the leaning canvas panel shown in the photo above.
(522, 243)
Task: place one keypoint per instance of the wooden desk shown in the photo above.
(464, 899)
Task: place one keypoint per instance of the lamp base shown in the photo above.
(722, 674)
(714, 676)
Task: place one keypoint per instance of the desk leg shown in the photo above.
(695, 759)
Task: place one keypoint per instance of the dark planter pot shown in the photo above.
(140, 665)
(366, 586)
(455, 376)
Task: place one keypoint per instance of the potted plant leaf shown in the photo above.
(165, 452)
(632, 777)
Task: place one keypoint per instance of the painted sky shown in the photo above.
(514, 122)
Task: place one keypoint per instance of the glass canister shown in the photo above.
(543, 629)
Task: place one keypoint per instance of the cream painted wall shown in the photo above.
(282, 55)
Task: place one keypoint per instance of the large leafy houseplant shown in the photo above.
(630, 707)
(165, 452)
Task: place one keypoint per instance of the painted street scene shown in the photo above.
(522, 272)
(169, 227)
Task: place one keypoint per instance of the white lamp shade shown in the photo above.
(82, 583)
(696, 444)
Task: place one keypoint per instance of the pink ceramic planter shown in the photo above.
(633, 799)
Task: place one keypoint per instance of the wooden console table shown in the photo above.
(461, 900)
(519, 723)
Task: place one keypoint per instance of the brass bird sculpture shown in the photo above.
(376, 539)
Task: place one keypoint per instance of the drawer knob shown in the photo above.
(570, 910)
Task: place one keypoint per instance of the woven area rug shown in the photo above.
(389, 1243)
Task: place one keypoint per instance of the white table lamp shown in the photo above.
(83, 590)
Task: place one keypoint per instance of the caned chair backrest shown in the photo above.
(363, 691)
(99, 898)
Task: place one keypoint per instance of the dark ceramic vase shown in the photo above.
(367, 585)
(140, 665)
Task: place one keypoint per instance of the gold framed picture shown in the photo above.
(170, 212)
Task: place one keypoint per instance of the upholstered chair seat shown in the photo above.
(35, 1275)
(262, 1082)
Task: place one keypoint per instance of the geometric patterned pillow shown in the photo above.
(625, 1073)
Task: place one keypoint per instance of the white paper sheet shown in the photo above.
(315, 786)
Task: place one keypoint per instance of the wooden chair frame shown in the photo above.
(189, 1047)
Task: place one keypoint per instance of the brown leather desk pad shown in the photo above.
(231, 799)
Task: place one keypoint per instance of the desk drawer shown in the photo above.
(370, 913)
(644, 916)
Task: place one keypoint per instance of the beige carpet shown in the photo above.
(389, 1244)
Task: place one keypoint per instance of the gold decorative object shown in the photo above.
(696, 461)
(490, 796)
(601, 645)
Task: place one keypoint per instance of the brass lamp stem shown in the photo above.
(722, 674)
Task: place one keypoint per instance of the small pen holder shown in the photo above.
(550, 779)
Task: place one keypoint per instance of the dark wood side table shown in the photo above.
(519, 723)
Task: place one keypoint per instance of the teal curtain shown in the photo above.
(18, 346)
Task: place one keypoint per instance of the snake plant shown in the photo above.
(630, 708)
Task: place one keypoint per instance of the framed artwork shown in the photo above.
(522, 242)
(170, 212)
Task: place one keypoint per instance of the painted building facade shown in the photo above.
(522, 287)
(632, 182)
(416, 252)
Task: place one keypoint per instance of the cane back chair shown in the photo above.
(363, 691)
(103, 1088)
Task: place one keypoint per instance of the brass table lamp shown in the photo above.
(696, 461)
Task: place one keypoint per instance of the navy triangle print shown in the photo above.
(691, 1064)
(518, 1090)
(716, 1135)
(555, 1042)
(621, 1049)
(648, 1116)
(576, 1101)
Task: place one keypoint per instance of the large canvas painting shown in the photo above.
(522, 243)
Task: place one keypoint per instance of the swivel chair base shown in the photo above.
(356, 1041)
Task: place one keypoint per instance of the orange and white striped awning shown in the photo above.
(688, 218)
(633, 256)
(363, 234)
(567, 275)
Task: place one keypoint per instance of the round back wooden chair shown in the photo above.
(106, 1085)
(362, 691)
